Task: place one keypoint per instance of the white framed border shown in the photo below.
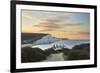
(20, 65)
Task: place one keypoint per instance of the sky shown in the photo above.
(71, 25)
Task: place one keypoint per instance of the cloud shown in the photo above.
(53, 23)
(84, 33)
(56, 19)
(26, 15)
(47, 29)
(61, 25)
(72, 24)
(79, 33)
(49, 24)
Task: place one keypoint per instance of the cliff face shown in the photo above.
(31, 37)
(46, 40)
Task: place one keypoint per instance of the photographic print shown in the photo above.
(51, 36)
(54, 36)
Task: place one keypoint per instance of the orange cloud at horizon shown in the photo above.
(58, 33)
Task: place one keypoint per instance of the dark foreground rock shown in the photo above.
(80, 52)
(32, 55)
